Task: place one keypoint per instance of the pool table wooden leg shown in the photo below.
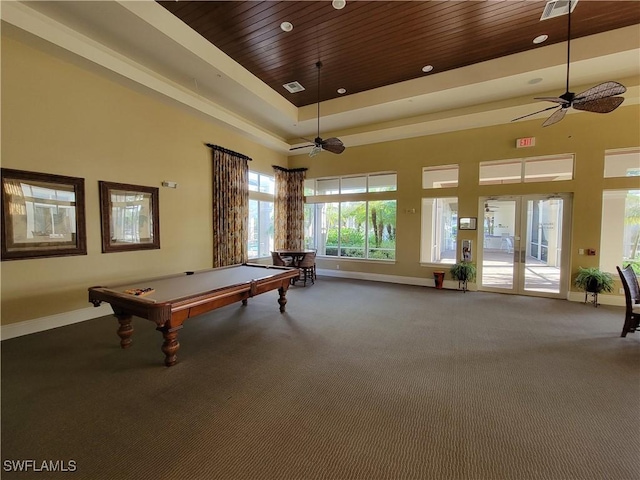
(170, 346)
(282, 300)
(125, 330)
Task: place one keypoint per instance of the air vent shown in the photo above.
(293, 87)
(556, 8)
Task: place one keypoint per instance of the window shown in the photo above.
(443, 176)
(261, 215)
(383, 182)
(496, 173)
(548, 169)
(372, 182)
(540, 169)
(353, 184)
(364, 229)
(620, 229)
(439, 230)
(361, 227)
(262, 183)
(622, 163)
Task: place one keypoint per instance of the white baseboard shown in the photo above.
(603, 299)
(68, 318)
(36, 325)
(380, 277)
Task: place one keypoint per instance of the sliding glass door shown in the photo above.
(525, 245)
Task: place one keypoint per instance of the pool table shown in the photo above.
(169, 301)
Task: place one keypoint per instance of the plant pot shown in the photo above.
(593, 286)
(438, 276)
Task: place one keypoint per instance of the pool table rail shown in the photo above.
(169, 315)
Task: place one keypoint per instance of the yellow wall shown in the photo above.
(586, 135)
(59, 118)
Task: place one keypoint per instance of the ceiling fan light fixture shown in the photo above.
(315, 151)
(339, 4)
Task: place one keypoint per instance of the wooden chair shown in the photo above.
(632, 299)
(280, 261)
(307, 267)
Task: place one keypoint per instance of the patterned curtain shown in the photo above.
(289, 208)
(230, 206)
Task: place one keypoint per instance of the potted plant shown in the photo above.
(463, 272)
(593, 281)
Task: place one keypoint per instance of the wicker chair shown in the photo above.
(281, 261)
(307, 268)
(632, 300)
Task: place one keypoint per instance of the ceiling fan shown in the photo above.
(597, 99)
(333, 144)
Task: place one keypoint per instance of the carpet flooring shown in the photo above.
(357, 380)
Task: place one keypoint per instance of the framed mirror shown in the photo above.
(42, 215)
(467, 223)
(130, 217)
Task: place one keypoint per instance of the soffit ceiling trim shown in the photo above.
(62, 36)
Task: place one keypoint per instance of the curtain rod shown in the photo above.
(230, 152)
(276, 167)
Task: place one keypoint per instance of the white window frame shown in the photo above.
(264, 192)
(614, 230)
(434, 240)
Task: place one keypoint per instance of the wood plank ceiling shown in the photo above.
(370, 44)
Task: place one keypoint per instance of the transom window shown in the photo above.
(259, 182)
(371, 182)
(527, 170)
(442, 176)
(622, 163)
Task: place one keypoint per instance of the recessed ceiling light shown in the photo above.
(427, 68)
(540, 39)
(339, 4)
(286, 26)
(342, 91)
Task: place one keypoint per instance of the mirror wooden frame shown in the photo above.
(43, 215)
(137, 223)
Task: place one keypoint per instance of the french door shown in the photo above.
(525, 244)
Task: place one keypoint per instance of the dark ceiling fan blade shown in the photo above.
(555, 117)
(535, 113)
(600, 105)
(552, 99)
(333, 145)
(302, 146)
(332, 141)
(606, 89)
(598, 99)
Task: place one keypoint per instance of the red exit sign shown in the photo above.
(526, 142)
